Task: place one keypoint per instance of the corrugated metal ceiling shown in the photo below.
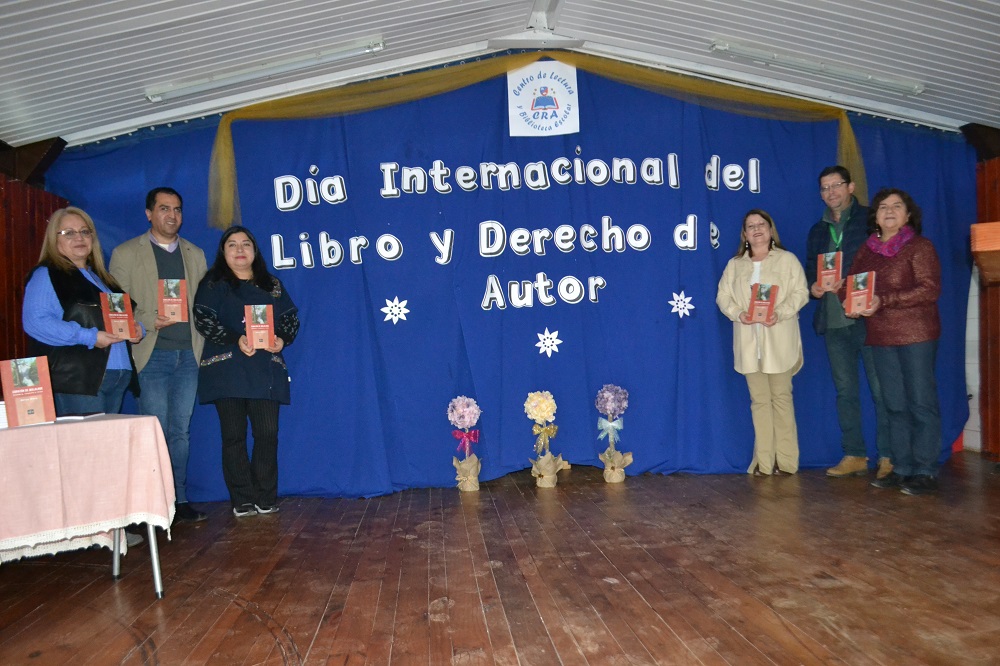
(81, 69)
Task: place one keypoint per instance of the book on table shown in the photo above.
(118, 318)
(860, 291)
(762, 300)
(260, 325)
(173, 299)
(27, 391)
(828, 269)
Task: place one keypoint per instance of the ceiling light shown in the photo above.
(769, 58)
(172, 91)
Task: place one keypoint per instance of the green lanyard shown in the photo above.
(835, 237)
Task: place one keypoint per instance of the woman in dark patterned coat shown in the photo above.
(243, 382)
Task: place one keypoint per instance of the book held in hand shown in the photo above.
(118, 318)
(762, 300)
(27, 391)
(828, 268)
(860, 290)
(173, 299)
(260, 326)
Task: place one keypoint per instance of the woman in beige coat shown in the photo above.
(770, 352)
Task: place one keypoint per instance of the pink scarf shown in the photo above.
(892, 246)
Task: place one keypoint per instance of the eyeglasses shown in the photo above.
(834, 186)
(70, 234)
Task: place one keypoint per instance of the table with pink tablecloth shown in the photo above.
(67, 485)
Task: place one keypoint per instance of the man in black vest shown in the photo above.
(167, 359)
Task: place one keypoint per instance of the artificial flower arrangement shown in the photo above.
(463, 413)
(541, 408)
(612, 401)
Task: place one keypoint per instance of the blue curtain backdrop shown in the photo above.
(369, 395)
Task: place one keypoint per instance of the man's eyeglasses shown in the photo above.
(70, 234)
(834, 186)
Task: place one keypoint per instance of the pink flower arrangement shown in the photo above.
(463, 412)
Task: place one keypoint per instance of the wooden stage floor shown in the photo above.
(676, 569)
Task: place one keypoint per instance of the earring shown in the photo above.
(771, 246)
(747, 243)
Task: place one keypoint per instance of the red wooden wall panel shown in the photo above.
(988, 190)
(24, 211)
(988, 200)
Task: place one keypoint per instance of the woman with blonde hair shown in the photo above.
(769, 352)
(89, 367)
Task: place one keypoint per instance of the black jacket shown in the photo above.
(855, 235)
(77, 369)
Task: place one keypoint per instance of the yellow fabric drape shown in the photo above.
(223, 204)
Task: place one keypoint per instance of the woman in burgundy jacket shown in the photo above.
(903, 331)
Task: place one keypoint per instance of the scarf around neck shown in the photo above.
(892, 246)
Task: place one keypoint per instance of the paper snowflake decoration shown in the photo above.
(548, 342)
(395, 310)
(681, 305)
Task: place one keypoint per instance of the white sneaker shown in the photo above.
(242, 510)
(266, 508)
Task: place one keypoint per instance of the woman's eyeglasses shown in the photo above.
(70, 234)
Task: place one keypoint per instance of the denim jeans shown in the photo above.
(108, 399)
(169, 384)
(910, 394)
(844, 346)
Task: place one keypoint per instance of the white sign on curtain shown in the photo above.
(542, 99)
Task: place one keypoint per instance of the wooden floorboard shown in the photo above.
(680, 569)
(477, 506)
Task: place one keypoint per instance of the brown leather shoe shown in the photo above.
(884, 467)
(849, 466)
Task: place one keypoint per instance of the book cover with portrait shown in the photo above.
(860, 290)
(27, 391)
(118, 318)
(260, 326)
(173, 299)
(762, 300)
(828, 268)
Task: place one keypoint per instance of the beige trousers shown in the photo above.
(776, 437)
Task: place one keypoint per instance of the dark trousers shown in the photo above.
(844, 346)
(251, 479)
(909, 390)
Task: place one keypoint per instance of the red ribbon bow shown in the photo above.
(466, 438)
